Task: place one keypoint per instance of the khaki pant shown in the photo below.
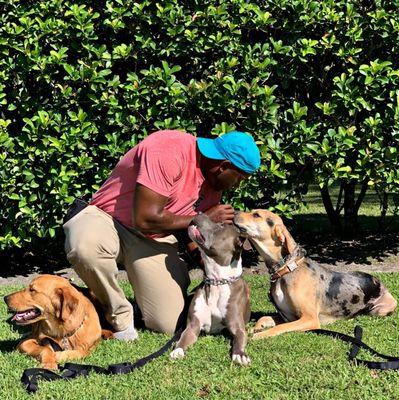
(95, 243)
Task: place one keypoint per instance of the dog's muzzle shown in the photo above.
(23, 317)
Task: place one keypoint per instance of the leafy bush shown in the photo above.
(315, 82)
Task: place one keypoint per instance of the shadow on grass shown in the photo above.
(313, 232)
(255, 315)
(7, 346)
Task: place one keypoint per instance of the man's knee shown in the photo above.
(89, 238)
(87, 254)
(165, 324)
(166, 319)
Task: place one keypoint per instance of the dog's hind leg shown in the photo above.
(385, 305)
(305, 323)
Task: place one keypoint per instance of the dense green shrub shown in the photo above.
(314, 81)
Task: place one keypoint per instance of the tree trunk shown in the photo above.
(350, 209)
(352, 205)
(384, 209)
(332, 214)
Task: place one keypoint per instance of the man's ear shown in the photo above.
(225, 164)
(282, 234)
(67, 303)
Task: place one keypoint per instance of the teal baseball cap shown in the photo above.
(237, 147)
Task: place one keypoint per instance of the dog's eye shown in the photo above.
(32, 289)
(256, 215)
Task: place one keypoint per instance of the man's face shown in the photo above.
(227, 177)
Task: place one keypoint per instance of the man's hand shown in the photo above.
(223, 213)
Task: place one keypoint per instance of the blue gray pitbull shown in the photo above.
(222, 300)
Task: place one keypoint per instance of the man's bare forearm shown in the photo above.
(164, 222)
(150, 216)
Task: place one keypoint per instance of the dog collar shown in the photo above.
(286, 269)
(64, 340)
(218, 282)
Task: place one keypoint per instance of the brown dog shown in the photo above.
(65, 324)
(305, 293)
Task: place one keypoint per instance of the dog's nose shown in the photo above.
(5, 298)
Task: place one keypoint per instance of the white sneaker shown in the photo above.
(128, 334)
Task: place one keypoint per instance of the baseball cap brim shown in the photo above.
(208, 149)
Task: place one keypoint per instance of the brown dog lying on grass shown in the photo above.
(305, 293)
(65, 323)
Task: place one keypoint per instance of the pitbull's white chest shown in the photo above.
(211, 310)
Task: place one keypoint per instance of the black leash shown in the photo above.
(357, 344)
(69, 371)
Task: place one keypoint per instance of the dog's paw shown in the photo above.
(253, 331)
(263, 323)
(107, 334)
(241, 359)
(177, 353)
(259, 335)
(50, 365)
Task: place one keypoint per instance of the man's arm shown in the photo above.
(150, 216)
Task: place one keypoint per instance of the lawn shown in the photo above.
(291, 366)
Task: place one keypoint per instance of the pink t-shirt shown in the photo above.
(167, 162)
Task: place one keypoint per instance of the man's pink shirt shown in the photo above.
(166, 162)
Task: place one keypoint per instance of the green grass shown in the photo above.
(291, 366)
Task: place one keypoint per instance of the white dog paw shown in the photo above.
(177, 353)
(241, 359)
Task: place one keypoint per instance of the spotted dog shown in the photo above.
(222, 300)
(305, 293)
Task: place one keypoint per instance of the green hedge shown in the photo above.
(316, 82)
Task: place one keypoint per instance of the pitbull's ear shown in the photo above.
(244, 243)
(247, 245)
(285, 237)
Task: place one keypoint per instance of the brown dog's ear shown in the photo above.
(68, 303)
(279, 232)
(285, 237)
